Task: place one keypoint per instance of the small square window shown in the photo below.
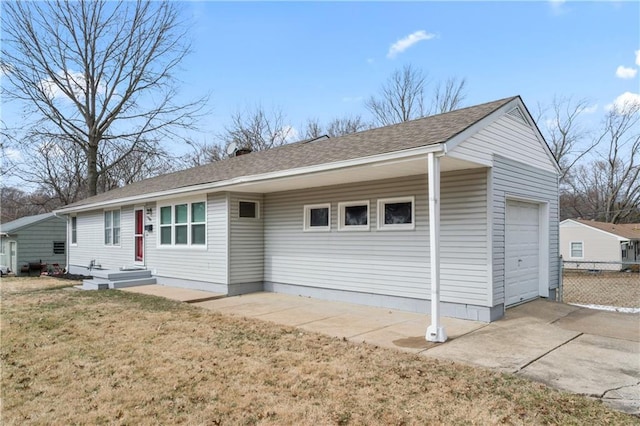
(353, 216)
(317, 217)
(396, 213)
(248, 209)
(576, 250)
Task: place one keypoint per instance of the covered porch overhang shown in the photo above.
(411, 166)
(431, 162)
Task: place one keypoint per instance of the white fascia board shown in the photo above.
(618, 237)
(282, 174)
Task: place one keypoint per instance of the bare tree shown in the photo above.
(8, 151)
(203, 153)
(448, 95)
(95, 72)
(313, 129)
(403, 97)
(17, 203)
(138, 165)
(58, 168)
(336, 127)
(567, 137)
(257, 129)
(608, 188)
(344, 126)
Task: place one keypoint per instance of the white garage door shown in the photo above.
(522, 258)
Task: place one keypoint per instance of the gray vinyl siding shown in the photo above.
(387, 262)
(90, 241)
(34, 243)
(205, 264)
(516, 179)
(499, 138)
(464, 247)
(246, 243)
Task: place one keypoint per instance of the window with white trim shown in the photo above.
(353, 216)
(577, 250)
(74, 230)
(112, 228)
(248, 209)
(183, 224)
(396, 213)
(317, 217)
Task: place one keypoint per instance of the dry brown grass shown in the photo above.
(606, 288)
(72, 357)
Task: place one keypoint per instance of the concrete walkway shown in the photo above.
(593, 353)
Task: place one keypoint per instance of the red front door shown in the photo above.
(139, 236)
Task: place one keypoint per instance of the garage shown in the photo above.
(522, 253)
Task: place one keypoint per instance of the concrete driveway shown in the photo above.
(593, 353)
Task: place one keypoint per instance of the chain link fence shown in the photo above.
(612, 284)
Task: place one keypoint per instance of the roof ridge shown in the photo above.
(429, 130)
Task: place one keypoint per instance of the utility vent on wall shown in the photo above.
(519, 116)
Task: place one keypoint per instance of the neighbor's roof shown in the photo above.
(412, 134)
(15, 225)
(624, 230)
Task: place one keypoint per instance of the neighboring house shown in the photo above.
(583, 243)
(33, 239)
(348, 218)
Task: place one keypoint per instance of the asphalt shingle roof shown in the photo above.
(624, 230)
(412, 134)
(15, 225)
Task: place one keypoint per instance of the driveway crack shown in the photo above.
(547, 353)
(615, 389)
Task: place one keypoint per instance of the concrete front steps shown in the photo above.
(104, 279)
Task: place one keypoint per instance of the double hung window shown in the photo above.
(576, 250)
(111, 228)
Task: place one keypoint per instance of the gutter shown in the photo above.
(282, 174)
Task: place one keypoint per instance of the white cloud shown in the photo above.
(557, 6)
(405, 43)
(624, 72)
(370, 60)
(625, 103)
(638, 58)
(589, 109)
(76, 80)
(13, 154)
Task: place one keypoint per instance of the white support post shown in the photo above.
(435, 332)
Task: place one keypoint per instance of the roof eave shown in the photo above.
(618, 237)
(282, 174)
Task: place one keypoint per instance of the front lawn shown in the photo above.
(87, 357)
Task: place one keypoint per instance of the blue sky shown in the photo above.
(323, 59)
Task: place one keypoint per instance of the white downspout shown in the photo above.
(435, 332)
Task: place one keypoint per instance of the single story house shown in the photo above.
(453, 214)
(588, 244)
(33, 239)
